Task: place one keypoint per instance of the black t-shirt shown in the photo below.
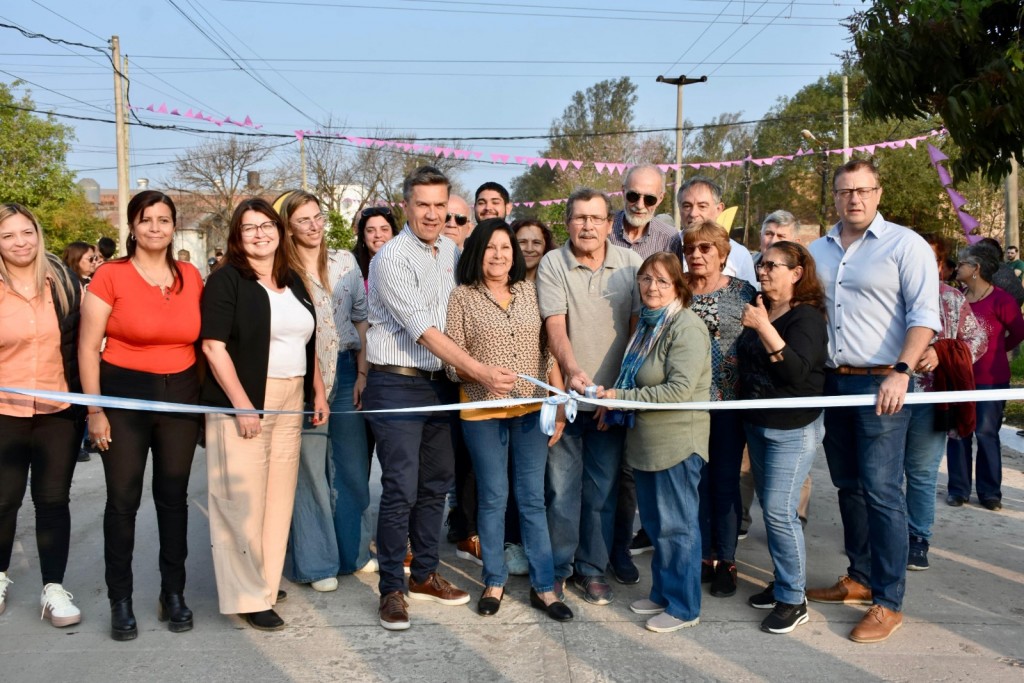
(801, 372)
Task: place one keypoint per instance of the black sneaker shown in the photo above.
(785, 617)
(765, 599)
(743, 534)
(724, 583)
(917, 557)
(641, 543)
(624, 571)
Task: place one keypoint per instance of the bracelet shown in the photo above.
(775, 353)
(94, 412)
(361, 372)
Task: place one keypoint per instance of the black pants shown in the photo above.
(172, 438)
(46, 445)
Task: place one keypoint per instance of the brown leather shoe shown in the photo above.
(469, 549)
(407, 562)
(394, 613)
(438, 590)
(877, 625)
(846, 591)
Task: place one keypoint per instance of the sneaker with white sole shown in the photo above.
(785, 617)
(645, 606)
(57, 606)
(325, 585)
(665, 623)
(515, 559)
(5, 581)
(371, 567)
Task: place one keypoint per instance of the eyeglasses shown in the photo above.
(251, 228)
(771, 265)
(460, 220)
(660, 283)
(704, 247)
(633, 197)
(580, 221)
(96, 259)
(376, 211)
(311, 221)
(861, 192)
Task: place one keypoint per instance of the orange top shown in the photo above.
(148, 331)
(29, 352)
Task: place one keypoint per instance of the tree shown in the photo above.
(34, 172)
(963, 61)
(590, 129)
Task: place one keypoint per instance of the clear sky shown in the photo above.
(433, 68)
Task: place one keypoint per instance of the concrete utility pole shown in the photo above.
(1011, 232)
(679, 83)
(122, 147)
(846, 119)
(747, 182)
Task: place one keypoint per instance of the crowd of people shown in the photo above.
(326, 357)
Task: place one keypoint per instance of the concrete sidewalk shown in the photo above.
(964, 618)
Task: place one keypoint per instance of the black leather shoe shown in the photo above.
(489, 605)
(282, 596)
(992, 504)
(557, 610)
(172, 609)
(267, 620)
(955, 501)
(122, 620)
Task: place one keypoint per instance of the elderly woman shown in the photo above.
(259, 338)
(718, 300)
(782, 355)
(493, 315)
(535, 240)
(146, 307)
(39, 309)
(668, 360)
(1000, 317)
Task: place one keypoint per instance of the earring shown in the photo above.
(974, 277)
(131, 237)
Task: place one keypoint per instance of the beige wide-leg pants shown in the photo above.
(252, 491)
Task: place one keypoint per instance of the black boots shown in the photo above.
(172, 609)
(122, 620)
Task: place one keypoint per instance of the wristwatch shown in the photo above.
(904, 368)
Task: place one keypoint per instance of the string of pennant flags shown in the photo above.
(967, 221)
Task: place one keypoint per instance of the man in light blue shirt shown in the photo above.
(882, 294)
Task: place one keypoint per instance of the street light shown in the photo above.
(824, 171)
(679, 83)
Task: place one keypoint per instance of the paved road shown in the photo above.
(964, 617)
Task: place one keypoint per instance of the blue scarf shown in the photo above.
(648, 329)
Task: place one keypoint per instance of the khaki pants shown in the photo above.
(252, 491)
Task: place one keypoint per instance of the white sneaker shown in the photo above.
(5, 581)
(665, 623)
(325, 585)
(370, 567)
(646, 606)
(57, 606)
(515, 559)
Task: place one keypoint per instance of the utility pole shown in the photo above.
(122, 146)
(846, 119)
(824, 171)
(1011, 233)
(679, 83)
(302, 163)
(747, 182)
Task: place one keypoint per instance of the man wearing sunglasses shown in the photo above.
(882, 297)
(457, 224)
(634, 227)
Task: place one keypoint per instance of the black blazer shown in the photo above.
(236, 311)
(67, 319)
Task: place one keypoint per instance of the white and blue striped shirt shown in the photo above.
(409, 290)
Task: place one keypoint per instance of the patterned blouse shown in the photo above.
(511, 337)
(722, 310)
(337, 309)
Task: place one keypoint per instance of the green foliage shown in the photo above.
(33, 152)
(71, 220)
(339, 233)
(963, 61)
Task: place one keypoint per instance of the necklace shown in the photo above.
(976, 299)
(162, 284)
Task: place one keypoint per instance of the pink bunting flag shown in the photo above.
(300, 134)
(967, 221)
(913, 142)
(520, 159)
(162, 109)
(600, 166)
(943, 175)
(955, 197)
(500, 158)
(936, 155)
(150, 108)
(529, 204)
(974, 239)
(577, 164)
(247, 122)
(175, 112)
(562, 164)
(200, 115)
(477, 155)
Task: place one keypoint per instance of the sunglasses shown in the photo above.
(376, 211)
(633, 197)
(704, 247)
(771, 265)
(460, 220)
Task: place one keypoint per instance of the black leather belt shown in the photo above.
(432, 375)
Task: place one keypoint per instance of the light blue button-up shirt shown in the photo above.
(885, 283)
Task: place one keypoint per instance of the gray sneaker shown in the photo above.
(595, 589)
(665, 622)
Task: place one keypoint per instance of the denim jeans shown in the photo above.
(312, 552)
(865, 455)
(348, 471)
(721, 506)
(780, 460)
(582, 486)
(925, 446)
(417, 471)
(492, 443)
(989, 464)
(668, 511)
